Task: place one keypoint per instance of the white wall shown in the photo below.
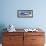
(8, 13)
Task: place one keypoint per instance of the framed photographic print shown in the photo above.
(25, 13)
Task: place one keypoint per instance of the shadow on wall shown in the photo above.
(2, 26)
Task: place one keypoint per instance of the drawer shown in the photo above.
(37, 39)
(12, 39)
(13, 33)
(34, 33)
(14, 44)
(37, 44)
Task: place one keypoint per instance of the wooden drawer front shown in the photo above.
(37, 39)
(12, 39)
(37, 45)
(27, 41)
(33, 33)
(13, 33)
(20, 44)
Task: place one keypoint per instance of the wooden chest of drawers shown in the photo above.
(23, 39)
(34, 39)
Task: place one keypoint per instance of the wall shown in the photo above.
(9, 13)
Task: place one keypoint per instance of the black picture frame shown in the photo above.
(24, 13)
